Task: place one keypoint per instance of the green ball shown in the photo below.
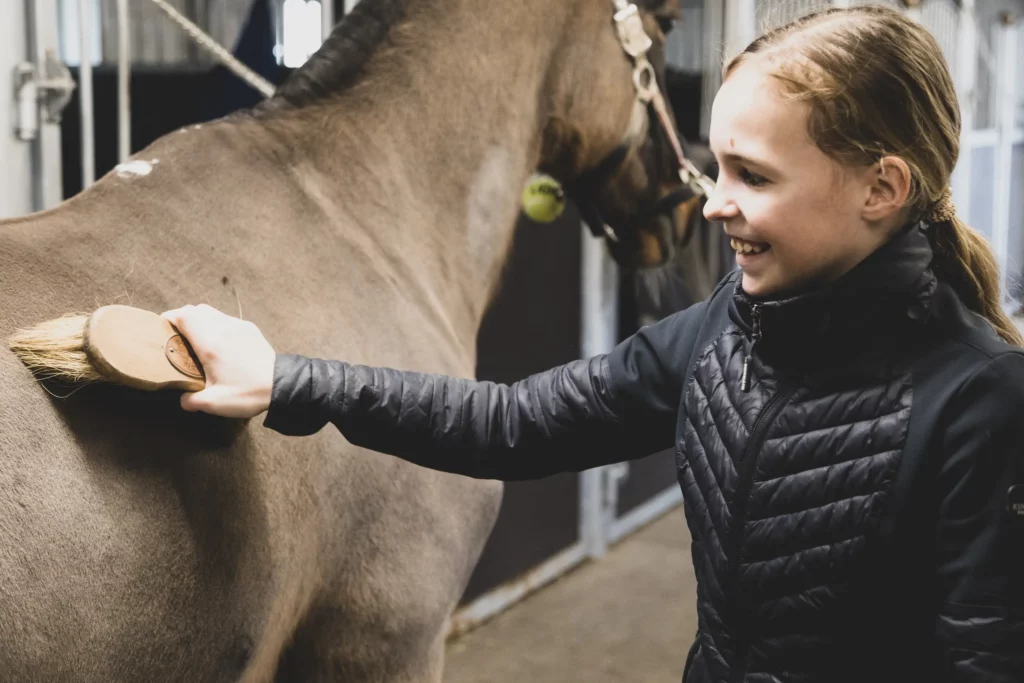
(543, 198)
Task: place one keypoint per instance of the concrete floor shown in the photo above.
(628, 617)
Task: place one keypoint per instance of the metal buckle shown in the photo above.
(645, 81)
(632, 35)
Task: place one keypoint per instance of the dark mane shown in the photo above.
(340, 60)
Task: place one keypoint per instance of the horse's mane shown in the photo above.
(340, 60)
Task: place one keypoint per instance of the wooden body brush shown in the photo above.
(121, 344)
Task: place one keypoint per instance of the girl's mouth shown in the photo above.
(741, 246)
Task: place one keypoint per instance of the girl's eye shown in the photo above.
(666, 25)
(752, 179)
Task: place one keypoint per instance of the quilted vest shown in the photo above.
(792, 426)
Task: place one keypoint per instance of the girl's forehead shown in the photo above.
(751, 117)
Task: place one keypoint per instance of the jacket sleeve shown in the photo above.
(980, 624)
(609, 408)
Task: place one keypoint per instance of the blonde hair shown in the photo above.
(878, 85)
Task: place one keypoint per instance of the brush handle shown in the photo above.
(140, 349)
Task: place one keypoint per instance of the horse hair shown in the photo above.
(340, 61)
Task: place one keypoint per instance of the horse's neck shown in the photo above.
(430, 154)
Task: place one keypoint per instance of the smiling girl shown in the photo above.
(846, 409)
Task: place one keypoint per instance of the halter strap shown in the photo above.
(636, 43)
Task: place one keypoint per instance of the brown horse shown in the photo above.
(363, 213)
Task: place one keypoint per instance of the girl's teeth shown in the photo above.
(743, 247)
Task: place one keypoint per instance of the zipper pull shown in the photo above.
(755, 336)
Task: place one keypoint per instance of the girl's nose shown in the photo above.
(719, 207)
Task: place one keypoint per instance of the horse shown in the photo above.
(364, 213)
(701, 257)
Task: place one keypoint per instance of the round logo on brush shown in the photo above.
(180, 355)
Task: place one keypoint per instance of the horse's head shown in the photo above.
(605, 139)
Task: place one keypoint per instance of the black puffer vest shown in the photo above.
(793, 434)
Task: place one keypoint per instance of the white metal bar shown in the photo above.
(740, 26)
(85, 102)
(645, 513)
(503, 597)
(985, 137)
(47, 163)
(615, 476)
(989, 137)
(592, 514)
(966, 77)
(124, 107)
(349, 5)
(15, 155)
(326, 18)
(599, 298)
(598, 322)
(713, 45)
(1005, 119)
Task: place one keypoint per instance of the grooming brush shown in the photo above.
(120, 344)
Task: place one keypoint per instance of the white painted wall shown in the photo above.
(15, 155)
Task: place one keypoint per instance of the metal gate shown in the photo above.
(40, 85)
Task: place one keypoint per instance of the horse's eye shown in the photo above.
(666, 24)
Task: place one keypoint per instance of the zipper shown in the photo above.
(745, 481)
(755, 315)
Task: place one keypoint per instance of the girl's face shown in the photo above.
(796, 217)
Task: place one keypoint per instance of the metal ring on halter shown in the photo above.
(645, 81)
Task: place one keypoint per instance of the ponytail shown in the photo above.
(964, 260)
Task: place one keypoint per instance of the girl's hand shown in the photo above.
(237, 359)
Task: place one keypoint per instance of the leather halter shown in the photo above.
(636, 43)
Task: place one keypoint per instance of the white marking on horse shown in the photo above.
(136, 168)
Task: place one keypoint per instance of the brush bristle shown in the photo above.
(53, 350)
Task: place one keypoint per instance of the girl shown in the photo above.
(846, 409)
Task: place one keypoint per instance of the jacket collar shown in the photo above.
(893, 284)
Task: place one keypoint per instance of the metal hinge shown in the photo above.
(52, 91)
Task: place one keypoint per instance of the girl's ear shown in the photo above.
(889, 182)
